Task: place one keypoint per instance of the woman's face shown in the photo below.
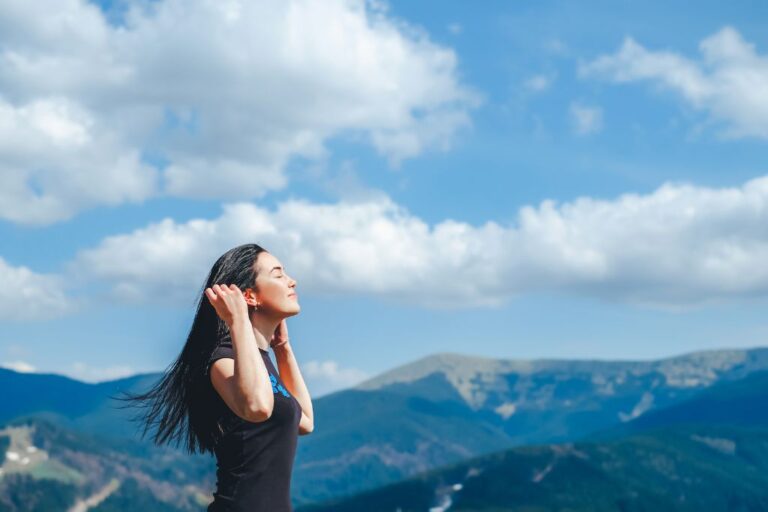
(276, 289)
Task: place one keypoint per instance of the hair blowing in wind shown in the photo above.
(177, 407)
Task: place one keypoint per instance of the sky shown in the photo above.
(513, 180)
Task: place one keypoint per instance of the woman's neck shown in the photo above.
(263, 329)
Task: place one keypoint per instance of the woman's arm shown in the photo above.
(242, 382)
(291, 377)
(250, 384)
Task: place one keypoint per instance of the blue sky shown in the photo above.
(519, 180)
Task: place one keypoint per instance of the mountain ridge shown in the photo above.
(433, 411)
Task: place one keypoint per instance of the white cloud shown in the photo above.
(30, 296)
(728, 83)
(58, 159)
(680, 245)
(325, 377)
(87, 373)
(19, 366)
(197, 98)
(586, 119)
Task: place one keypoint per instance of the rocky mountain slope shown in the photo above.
(707, 453)
(435, 411)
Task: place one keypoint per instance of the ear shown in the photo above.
(250, 298)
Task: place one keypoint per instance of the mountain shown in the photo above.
(706, 453)
(438, 410)
(50, 468)
(712, 469)
(64, 401)
(741, 402)
(445, 408)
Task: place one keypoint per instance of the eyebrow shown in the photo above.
(277, 268)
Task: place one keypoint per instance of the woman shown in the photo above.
(224, 395)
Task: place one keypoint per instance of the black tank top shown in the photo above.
(254, 460)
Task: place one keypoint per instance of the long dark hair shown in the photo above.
(179, 404)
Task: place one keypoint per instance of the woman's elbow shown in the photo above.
(306, 425)
(256, 412)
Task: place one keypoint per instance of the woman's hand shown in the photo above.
(280, 336)
(229, 303)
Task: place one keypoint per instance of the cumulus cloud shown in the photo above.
(728, 82)
(28, 295)
(197, 98)
(57, 159)
(325, 377)
(680, 245)
(586, 119)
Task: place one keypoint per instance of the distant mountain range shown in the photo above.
(446, 408)
(439, 411)
(707, 453)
